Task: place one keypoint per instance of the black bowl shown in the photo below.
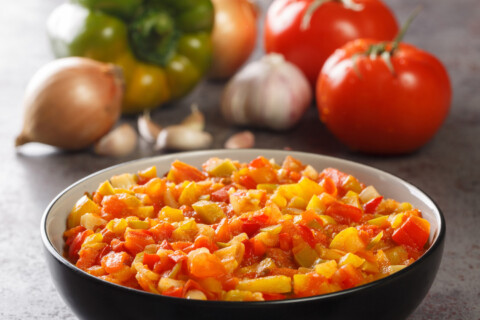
(394, 297)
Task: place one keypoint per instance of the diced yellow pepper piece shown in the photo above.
(106, 189)
(221, 168)
(190, 194)
(208, 211)
(352, 184)
(167, 283)
(148, 173)
(279, 200)
(396, 220)
(171, 214)
(271, 284)
(326, 269)
(144, 212)
(329, 254)
(309, 188)
(297, 202)
(396, 255)
(83, 205)
(117, 226)
(326, 220)
(379, 221)
(92, 239)
(376, 240)
(138, 224)
(305, 255)
(316, 204)
(268, 187)
(352, 198)
(351, 258)
(370, 267)
(240, 295)
(347, 240)
(186, 231)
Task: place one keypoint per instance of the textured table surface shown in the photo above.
(447, 168)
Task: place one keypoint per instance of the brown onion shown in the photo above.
(234, 36)
(72, 102)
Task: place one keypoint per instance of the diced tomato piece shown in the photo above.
(221, 195)
(312, 287)
(180, 171)
(273, 296)
(372, 205)
(259, 162)
(181, 245)
(114, 261)
(174, 292)
(285, 241)
(87, 257)
(77, 244)
(113, 207)
(248, 182)
(117, 245)
(347, 276)
(337, 176)
(137, 239)
(162, 231)
(71, 234)
(203, 241)
(413, 232)
(259, 248)
(251, 228)
(306, 234)
(204, 265)
(289, 272)
(150, 259)
(283, 259)
(344, 213)
(222, 232)
(329, 186)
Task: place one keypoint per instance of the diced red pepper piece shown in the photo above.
(150, 259)
(174, 292)
(413, 232)
(180, 171)
(114, 261)
(251, 228)
(259, 162)
(221, 195)
(273, 296)
(285, 241)
(372, 205)
(162, 231)
(137, 239)
(77, 244)
(347, 276)
(113, 207)
(344, 213)
(248, 182)
(306, 234)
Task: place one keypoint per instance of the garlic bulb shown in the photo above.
(270, 92)
(119, 142)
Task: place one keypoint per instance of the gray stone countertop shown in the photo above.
(447, 168)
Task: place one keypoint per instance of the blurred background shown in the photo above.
(446, 168)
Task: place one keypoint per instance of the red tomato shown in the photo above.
(332, 25)
(374, 109)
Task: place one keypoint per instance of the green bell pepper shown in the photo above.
(163, 46)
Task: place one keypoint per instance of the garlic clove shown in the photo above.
(148, 129)
(241, 140)
(195, 120)
(180, 137)
(119, 142)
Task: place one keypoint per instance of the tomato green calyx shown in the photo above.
(380, 49)
(154, 36)
(312, 7)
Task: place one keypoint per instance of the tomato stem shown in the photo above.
(404, 29)
(313, 6)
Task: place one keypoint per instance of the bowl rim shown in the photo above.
(48, 245)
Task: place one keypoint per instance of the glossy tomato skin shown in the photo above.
(374, 110)
(332, 25)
